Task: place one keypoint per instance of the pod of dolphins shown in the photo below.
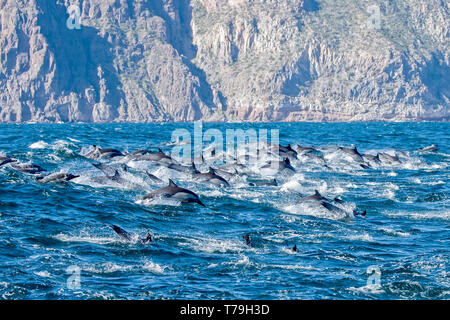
(221, 175)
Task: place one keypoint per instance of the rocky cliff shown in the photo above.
(224, 60)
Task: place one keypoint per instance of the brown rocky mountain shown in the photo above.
(224, 60)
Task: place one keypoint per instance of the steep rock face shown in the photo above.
(224, 60)
(326, 60)
(126, 63)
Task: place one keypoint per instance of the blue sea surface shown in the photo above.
(51, 233)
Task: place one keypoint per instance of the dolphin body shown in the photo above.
(432, 148)
(122, 181)
(99, 153)
(352, 153)
(385, 157)
(153, 178)
(182, 168)
(4, 160)
(211, 177)
(287, 152)
(227, 175)
(272, 183)
(327, 204)
(125, 235)
(27, 168)
(233, 168)
(316, 158)
(172, 191)
(282, 165)
(110, 170)
(56, 177)
(160, 156)
(300, 149)
(371, 159)
(118, 179)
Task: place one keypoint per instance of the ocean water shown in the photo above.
(56, 241)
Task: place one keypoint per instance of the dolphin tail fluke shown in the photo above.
(247, 240)
(147, 239)
(121, 232)
(72, 176)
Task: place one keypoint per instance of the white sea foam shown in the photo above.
(395, 233)
(211, 245)
(39, 145)
(86, 238)
(43, 274)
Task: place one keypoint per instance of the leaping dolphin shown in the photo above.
(160, 157)
(385, 157)
(5, 160)
(211, 177)
(153, 178)
(287, 152)
(183, 168)
(27, 168)
(280, 165)
(99, 153)
(327, 204)
(272, 183)
(118, 179)
(432, 148)
(110, 169)
(371, 159)
(172, 191)
(56, 177)
(299, 149)
(353, 153)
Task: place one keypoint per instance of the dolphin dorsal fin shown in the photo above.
(287, 161)
(316, 193)
(195, 167)
(211, 170)
(171, 183)
(160, 151)
(116, 175)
